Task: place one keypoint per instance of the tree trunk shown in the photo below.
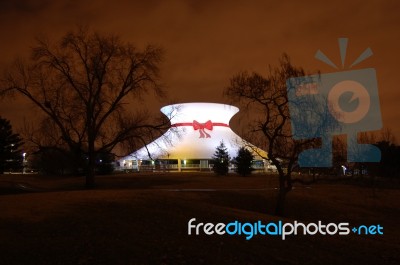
(285, 185)
(90, 174)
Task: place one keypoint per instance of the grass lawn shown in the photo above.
(143, 219)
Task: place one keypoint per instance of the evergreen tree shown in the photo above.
(105, 164)
(243, 161)
(221, 160)
(10, 144)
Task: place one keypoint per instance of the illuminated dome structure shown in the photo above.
(196, 131)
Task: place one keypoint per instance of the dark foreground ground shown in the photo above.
(142, 219)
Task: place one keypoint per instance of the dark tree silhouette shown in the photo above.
(53, 161)
(243, 161)
(104, 164)
(221, 160)
(389, 166)
(10, 148)
(83, 84)
(269, 123)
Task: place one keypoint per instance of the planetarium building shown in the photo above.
(196, 131)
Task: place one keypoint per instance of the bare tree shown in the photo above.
(83, 84)
(266, 98)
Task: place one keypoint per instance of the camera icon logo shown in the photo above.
(325, 105)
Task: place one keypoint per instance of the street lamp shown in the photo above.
(23, 162)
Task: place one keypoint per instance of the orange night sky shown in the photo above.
(207, 42)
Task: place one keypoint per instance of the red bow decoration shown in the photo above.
(201, 127)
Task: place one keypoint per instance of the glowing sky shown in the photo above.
(206, 42)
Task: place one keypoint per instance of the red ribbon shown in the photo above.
(201, 126)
